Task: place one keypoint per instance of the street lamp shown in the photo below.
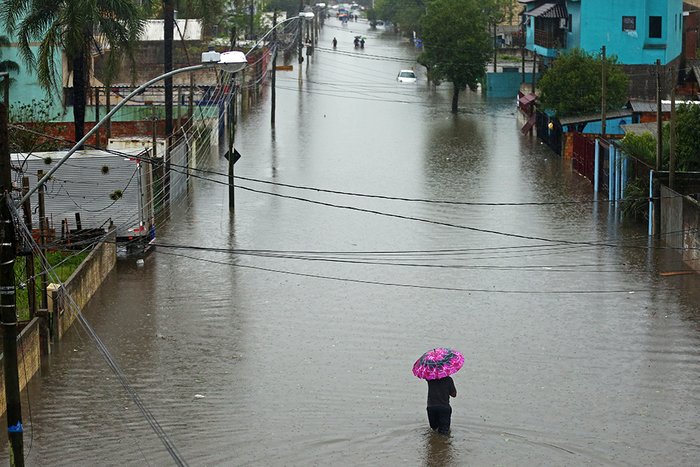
(231, 61)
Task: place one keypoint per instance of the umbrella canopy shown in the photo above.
(438, 363)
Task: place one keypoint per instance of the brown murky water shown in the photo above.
(302, 344)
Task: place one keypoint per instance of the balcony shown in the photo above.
(550, 39)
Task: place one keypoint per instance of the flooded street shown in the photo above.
(288, 335)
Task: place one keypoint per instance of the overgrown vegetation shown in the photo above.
(643, 146)
(63, 264)
(34, 119)
(635, 204)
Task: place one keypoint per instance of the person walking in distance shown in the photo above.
(335, 42)
(435, 366)
(439, 409)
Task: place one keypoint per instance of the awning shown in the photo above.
(527, 99)
(529, 124)
(549, 10)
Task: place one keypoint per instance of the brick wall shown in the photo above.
(139, 128)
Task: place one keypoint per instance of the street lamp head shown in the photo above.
(232, 61)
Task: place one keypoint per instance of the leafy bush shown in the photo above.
(31, 121)
(642, 146)
(636, 202)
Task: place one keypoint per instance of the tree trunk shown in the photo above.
(79, 95)
(455, 98)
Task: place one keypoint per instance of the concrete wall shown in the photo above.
(671, 217)
(680, 219)
(601, 24)
(28, 358)
(505, 84)
(85, 281)
(691, 235)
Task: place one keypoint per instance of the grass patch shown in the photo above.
(63, 264)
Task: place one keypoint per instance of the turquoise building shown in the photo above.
(638, 32)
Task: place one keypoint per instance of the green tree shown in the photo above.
(456, 43)
(77, 28)
(572, 86)
(8, 66)
(643, 146)
(406, 14)
(687, 136)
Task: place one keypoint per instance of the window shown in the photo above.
(570, 22)
(629, 23)
(655, 27)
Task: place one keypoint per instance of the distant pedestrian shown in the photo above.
(335, 42)
(436, 366)
(439, 409)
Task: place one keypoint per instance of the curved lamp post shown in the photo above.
(231, 61)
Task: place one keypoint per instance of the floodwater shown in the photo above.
(298, 348)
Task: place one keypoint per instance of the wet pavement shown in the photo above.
(297, 349)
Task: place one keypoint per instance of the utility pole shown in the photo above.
(8, 308)
(659, 125)
(523, 41)
(168, 27)
(108, 103)
(250, 19)
(672, 133)
(495, 47)
(534, 71)
(299, 38)
(274, 66)
(656, 189)
(97, 116)
(231, 139)
(43, 227)
(31, 280)
(603, 93)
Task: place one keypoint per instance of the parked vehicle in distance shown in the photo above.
(406, 76)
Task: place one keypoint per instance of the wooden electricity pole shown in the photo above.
(8, 303)
(672, 133)
(274, 66)
(603, 92)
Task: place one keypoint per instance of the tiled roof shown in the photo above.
(549, 10)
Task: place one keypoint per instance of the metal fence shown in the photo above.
(550, 136)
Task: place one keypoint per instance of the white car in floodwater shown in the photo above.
(406, 76)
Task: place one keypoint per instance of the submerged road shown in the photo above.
(294, 345)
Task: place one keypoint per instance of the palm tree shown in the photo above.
(7, 65)
(78, 28)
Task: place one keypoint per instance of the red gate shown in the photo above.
(584, 156)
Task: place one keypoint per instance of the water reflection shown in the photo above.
(438, 450)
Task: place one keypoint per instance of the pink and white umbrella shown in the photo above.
(438, 363)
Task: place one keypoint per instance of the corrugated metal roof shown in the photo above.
(650, 106)
(84, 183)
(594, 117)
(549, 10)
(640, 128)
